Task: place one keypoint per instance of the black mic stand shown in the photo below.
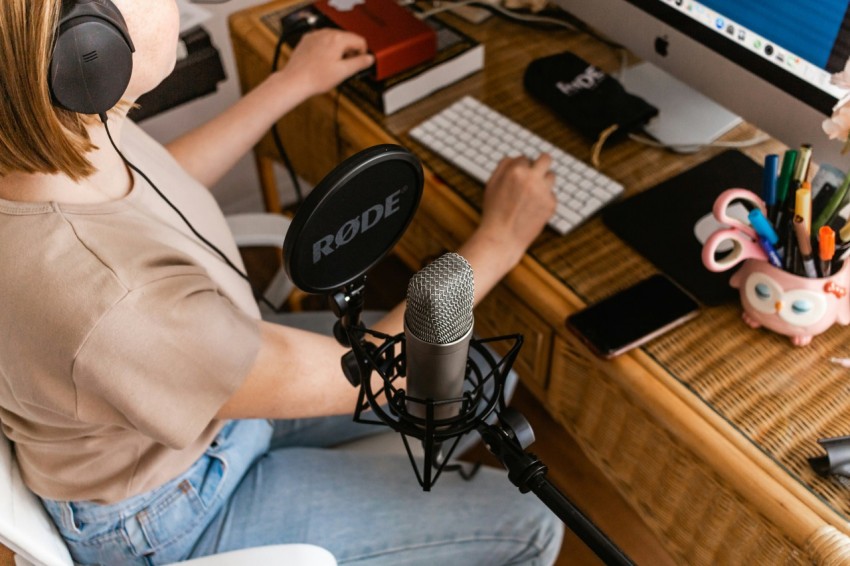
(528, 473)
(506, 438)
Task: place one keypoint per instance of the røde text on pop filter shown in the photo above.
(353, 218)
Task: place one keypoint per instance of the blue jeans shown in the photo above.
(260, 484)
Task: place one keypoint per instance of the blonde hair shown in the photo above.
(35, 135)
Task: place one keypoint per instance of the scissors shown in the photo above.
(740, 235)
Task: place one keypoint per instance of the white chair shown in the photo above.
(27, 530)
(260, 229)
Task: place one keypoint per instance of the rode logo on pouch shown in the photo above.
(587, 80)
(356, 226)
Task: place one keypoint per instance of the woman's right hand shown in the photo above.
(324, 58)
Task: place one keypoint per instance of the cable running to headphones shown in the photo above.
(257, 295)
(284, 156)
(90, 69)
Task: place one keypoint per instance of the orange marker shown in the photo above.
(826, 250)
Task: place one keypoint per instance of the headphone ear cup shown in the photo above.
(92, 58)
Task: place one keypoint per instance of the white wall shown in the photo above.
(239, 191)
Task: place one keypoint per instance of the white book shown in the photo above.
(458, 56)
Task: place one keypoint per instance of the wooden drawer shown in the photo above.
(502, 313)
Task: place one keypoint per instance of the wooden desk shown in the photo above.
(706, 430)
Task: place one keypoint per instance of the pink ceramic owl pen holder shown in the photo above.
(789, 304)
(796, 306)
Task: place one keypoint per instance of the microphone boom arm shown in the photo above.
(528, 473)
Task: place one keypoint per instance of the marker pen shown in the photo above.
(822, 197)
(826, 250)
(801, 169)
(804, 244)
(844, 233)
(825, 215)
(769, 181)
(786, 227)
(771, 253)
(791, 258)
(789, 161)
(839, 219)
(803, 204)
(762, 226)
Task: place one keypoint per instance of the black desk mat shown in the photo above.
(659, 222)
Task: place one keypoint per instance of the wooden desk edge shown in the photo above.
(784, 501)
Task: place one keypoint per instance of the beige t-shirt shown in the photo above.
(122, 333)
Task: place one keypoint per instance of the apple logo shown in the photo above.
(345, 5)
(661, 44)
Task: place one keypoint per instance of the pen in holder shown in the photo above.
(792, 304)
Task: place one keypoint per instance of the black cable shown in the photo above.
(221, 254)
(567, 18)
(580, 26)
(284, 157)
(337, 132)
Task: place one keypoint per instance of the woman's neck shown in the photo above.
(111, 179)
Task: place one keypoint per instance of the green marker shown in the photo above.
(824, 216)
(789, 161)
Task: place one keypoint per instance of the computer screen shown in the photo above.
(769, 61)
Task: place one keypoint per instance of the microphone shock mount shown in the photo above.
(482, 408)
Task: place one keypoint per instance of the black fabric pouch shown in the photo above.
(587, 98)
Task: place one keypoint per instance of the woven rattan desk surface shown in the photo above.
(781, 398)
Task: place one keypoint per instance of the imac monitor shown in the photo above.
(769, 61)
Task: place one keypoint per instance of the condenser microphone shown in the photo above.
(437, 329)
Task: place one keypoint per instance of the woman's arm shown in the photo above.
(297, 373)
(321, 61)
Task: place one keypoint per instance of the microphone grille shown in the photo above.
(439, 300)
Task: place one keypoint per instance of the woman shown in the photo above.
(137, 376)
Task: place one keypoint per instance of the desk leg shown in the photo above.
(268, 183)
(7, 557)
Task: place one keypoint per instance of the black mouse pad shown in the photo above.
(659, 222)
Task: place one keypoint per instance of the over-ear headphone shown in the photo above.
(92, 57)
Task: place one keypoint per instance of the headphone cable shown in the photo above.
(299, 195)
(257, 295)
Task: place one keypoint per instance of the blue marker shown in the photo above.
(762, 226)
(770, 251)
(769, 183)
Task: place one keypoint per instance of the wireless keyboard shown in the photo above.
(473, 137)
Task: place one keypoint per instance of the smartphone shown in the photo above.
(633, 316)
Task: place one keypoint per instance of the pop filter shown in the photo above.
(352, 218)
